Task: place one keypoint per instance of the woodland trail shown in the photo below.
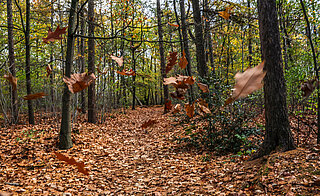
(124, 159)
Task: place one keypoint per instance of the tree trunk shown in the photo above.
(65, 141)
(91, 66)
(278, 132)
(12, 66)
(82, 62)
(28, 77)
(162, 58)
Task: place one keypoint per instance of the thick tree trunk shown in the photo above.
(28, 77)
(91, 66)
(278, 132)
(162, 57)
(12, 66)
(65, 141)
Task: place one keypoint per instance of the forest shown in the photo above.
(159, 97)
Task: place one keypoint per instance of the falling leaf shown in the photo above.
(49, 70)
(203, 87)
(247, 82)
(308, 87)
(119, 60)
(179, 81)
(179, 93)
(148, 123)
(183, 61)
(226, 13)
(12, 80)
(168, 104)
(52, 36)
(79, 81)
(34, 96)
(127, 73)
(177, 108)
(174, 25)
(172, 60)
(202, 102)
(203, 109)
(189, 109)
(72, 161)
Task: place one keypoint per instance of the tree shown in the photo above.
(65, 141)
(278, 132)
(91, 66)
(12, 65)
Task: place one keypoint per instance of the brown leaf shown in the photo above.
(172, 60)
(174, 25)
(202, 102)
(127, 73)
(308, 87)
(52, 36)
(72, 161)
(148, 123)
(247, 82)
(179, 93)
(168, 104)
(34, 96)
(79, 81)
(12, 80)
(119, 60)
(49, 70)
(189, 109)
(204, 109)
(177, 108)
(179, 81)
(183, 61)
(226, 13)
(203, 87)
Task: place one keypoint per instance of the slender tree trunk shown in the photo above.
(51, 60)
(91, 66)
(65, 141)
(28, 77)
(162, 57)
(249, 35)
(278, 132)
(82, 61)
(12, 66)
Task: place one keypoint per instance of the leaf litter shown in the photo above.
(123, 159)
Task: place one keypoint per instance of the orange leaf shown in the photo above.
(168, 104)
(177, 108)
(119, 60)
(203, 87)
(49, 70)
(52, 36)
(179, 81)
(72, 161)
(183, 61)
(204, 109)
(148, 123)
(202, 102)
(79, 81)
(127, 73)
(189, 109)
(174, 25)
(172, 60)
(80, 166)
(226, 13)
(12, 80)
(34, 96)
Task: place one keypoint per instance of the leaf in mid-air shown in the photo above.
(127, 72)
(12, 80)
(72, 161)
(172, 60)
(177, 108)
(308, 87)
(49, 70)
(34, 96)
(79, 81)
(189, 109)
(52, 36)
(119, 60)
(203, 87)
(183, 61)
(247, 82)
(174, 25)
(168, 104)
(226, 13)
(148, 123)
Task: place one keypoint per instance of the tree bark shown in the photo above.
(82, 61)
(91, 66)
(278, 132)
(27, 68)
(65, 141)
(162, 58)
(12, 66)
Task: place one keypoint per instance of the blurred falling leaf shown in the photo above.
(174, 25)
(203, 87)
(148, 123)
(168, 104)
(72, 161)
(127, 73)
(172, 60)
(79, 81)
(183, 61)
(308, 87)
(203, 109)
(49, 70)
(177, 108)
(119, 60)
(12, 80)
(52, 36)
(226, 13)
(189, 109)
(34, 96)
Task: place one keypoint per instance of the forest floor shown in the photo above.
(124, 159)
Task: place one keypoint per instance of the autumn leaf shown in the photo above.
(127, 72)
(34, 96)
(203, 87)
(189, 109)
(226, 13)
(179, 93)
(202, 102)
(72, 161)
(172, 60)
(179, 81)
(168, 104)
(119, 60)
(177, 108)
(247, 82)
(148, 123)
(203, 109)
(174, 25)
(52, 36)
(183, 61)
(79, 81)
(308, 87)
(49, 70)
(12, 80)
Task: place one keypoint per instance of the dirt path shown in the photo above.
(124, 159)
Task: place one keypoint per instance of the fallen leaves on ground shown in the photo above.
(79, 81)
(34, 96)
(148, 123)
(56, 35)
(12, 80)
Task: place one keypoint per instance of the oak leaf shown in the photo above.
(177, 108)
(148, 123)
(79, 81)
(204, 109)
(34, 96)
(226, 13)
(174, 25)
(12, 80)
(189, 109)
(203, 87)
(127, 72)
(168, 104)
(49, 70)
(72, 161)
(308, 87)
(202, 102)
(179, 93)
(119, 60)
(179, 81)
(52, 36)
(172, 60)
(183, 61)
(247, 82)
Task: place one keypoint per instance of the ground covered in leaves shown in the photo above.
(124, 159)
